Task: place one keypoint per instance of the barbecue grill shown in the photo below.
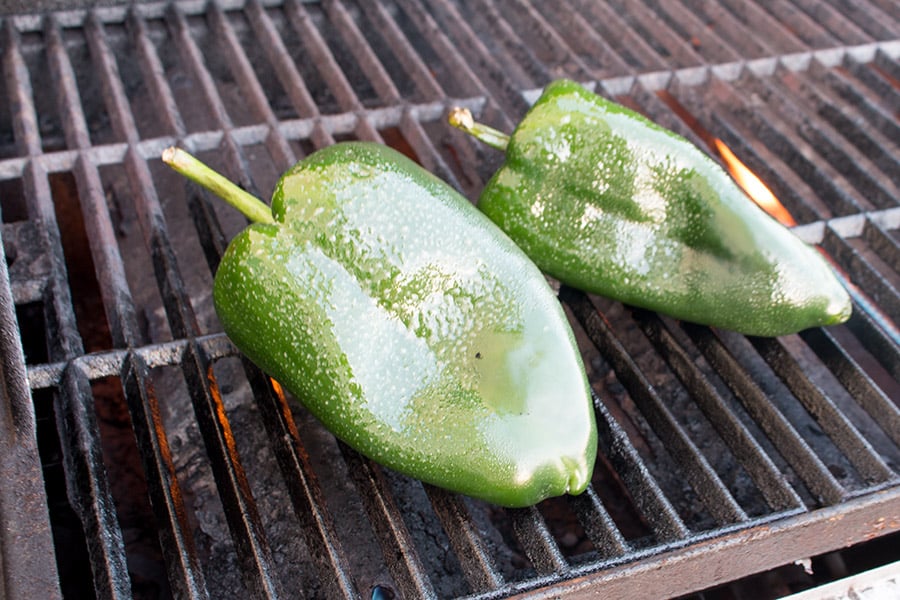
(143, 457)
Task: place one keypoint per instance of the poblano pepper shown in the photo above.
(411, 326)
(606, 201)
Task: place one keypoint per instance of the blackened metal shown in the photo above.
(88, 487)
(856, 381)
(397, 545)
(863, 274)
(694, 466)
(537, 541)
(840, 104)
(780, 431)
(833, 422)
(302, 485)
(745, 551)
(599, 525)
(184, 570)
(751, 455)
(27, 565)
(468, 543)
(242, 515)
(241, 512)
(613, 441)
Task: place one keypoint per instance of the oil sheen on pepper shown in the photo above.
(608, 202)
(414, 329)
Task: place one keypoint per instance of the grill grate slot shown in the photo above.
(792, 435)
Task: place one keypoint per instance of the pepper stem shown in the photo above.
(462, 118)
(252, 207)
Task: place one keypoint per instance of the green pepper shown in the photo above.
(408, 324)
(606, 201)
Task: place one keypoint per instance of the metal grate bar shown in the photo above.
(155, 76)
(402, 48)
(790, 444)
(86, 481)
(677, 52)
(397, 546)
(801, 25)
(474, 555)
(183, 565)
(303, 485)
(280, 59)
(109, 269)
(585, 42)
(426, 153)
(649, 497)
(188, 49)
(869, 17)
(277, 146)
(599, 525)
(185, 575)
(753, 458)
(469, 47)
(746, 15)
(287, 73)
(87, 484)
(846, 31)
(490, 22)
(790, 189)
(875, 80)
(687, 25)
(435, 35)
(240, 510)
(852, 164)
(537, 541)
(694, 466)
(833, 422)
(368, 61)
(796, 153)
(67, 341)
(873, 143)
(551, 46)
(330, 69)
(861, 272)
(614, 443)
(856, 381)
(243, 518)
(27, 557)
(321, 56)
(624, 41)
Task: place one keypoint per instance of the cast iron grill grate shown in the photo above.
(716, 449)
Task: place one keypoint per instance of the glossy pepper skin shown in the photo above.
(608, 202)
(412, 327)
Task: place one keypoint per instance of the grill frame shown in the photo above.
(846, 517)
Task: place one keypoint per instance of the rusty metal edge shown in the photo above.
(27, 556)
(742, 553)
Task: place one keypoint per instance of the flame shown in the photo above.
(753, 185)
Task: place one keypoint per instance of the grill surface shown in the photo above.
(170, 466)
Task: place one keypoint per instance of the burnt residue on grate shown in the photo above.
(171, 466)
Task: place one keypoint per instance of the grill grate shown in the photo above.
(716, 449)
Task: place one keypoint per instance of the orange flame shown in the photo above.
(753, 185)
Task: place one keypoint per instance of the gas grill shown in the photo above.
(143, 457)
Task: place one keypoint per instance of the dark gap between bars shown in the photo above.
(87, 301)
(72, 559)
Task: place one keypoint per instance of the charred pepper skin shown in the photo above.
(608, 202)
(412, 328)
